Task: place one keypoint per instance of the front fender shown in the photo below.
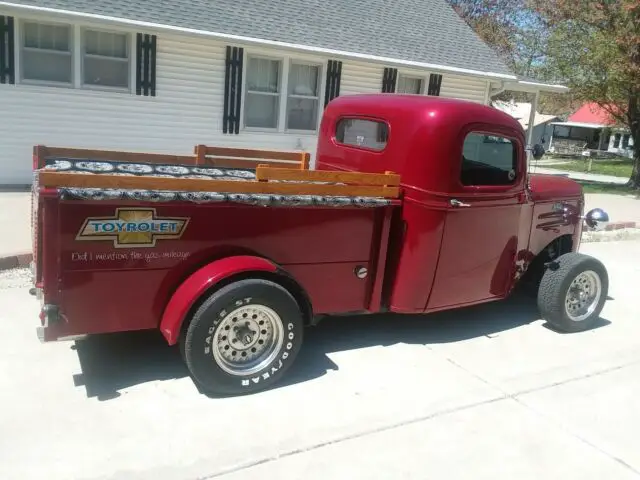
(199, 282)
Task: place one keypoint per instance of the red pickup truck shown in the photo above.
(417, 204)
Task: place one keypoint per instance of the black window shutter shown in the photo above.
(232, 90)
(435, 80)
(7, 51)
(146, 64)
(332, 87)
(389, 80)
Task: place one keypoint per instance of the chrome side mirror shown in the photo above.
(596, 219)
(537, 151)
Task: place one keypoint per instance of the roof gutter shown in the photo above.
(258, 41)
(530, 86)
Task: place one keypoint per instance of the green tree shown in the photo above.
(494, 21)
(594, 47)
(514, 30)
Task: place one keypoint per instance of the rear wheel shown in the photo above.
(243, 338)
(573, 291)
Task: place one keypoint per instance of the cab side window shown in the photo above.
(488, 160)
(362, 133)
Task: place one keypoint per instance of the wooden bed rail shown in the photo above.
(267, 172)
(223, 157)
(249, 158)
(41, 152)
(268, 180)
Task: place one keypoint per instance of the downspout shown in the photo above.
(497, 91)
(531, 126)
(532, 119)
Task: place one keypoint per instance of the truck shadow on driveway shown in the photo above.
(111, 363)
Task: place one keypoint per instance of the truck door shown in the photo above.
(484, 205)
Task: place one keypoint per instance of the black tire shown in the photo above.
(554, 287)
(208, 326)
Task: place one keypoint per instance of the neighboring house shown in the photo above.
(164, 76)
(521, 111)
(592, 129)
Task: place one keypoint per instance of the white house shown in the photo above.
(164, 76)
(521, 111)
(592, 130)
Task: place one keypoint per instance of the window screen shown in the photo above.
(105, 59)
(410, 85)
(262, 100)
(488, 160)
(46, 53)
(303, 96)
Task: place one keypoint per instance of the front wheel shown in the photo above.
(573, 291)
(243, 337)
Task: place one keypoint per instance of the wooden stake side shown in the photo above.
(306, 158)
(203, 155)
(113, 155)
(250, 164)
(75, 180)
(248, 153)
(267, 172)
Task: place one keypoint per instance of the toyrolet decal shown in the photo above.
(132, 228)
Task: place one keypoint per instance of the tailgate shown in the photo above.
(36, 233)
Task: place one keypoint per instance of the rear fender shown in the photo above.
(202, 280)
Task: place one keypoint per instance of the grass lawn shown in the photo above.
(592, 187)
(616, 168)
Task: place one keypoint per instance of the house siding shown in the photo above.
(360, 77)
(186, 111)
(464, 88)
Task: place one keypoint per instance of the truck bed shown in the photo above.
(146, 182)
(316, 226)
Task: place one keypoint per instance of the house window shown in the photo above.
(411, 85)
(105, 59)
(625, 141)
(362, 133)
(616, 140)
(47, 53)
(263, 93)
(303, 96)
(278, 93)
(488, 160)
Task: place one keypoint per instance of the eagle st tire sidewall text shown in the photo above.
(198, 340)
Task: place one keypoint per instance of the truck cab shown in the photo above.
(473, 217)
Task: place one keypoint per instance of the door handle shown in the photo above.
(457, 203)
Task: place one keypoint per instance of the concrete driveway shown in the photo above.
(486, 392)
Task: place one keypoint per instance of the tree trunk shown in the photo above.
(634, 181)
(634, 125)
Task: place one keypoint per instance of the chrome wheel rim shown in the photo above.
(583, 296)
(248, 339)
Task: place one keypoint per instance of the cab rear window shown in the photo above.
(488, 160)
(362, 133)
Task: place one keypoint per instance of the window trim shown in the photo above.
(21, 34)
(129, 60)
(286, 61)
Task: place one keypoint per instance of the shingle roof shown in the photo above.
(426, 31)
